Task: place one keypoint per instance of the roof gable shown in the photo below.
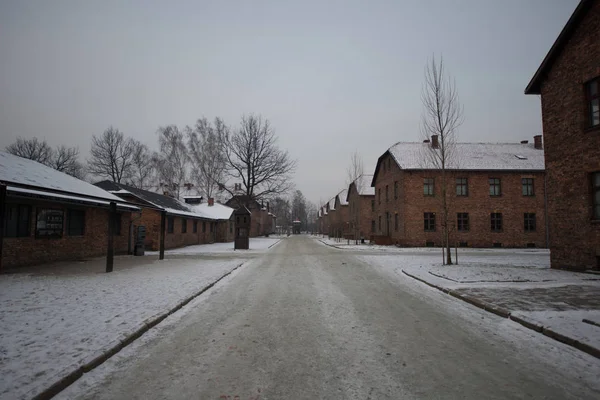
(534, 86)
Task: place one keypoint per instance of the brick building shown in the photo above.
(261, 217)
(496, 195)
(50, 216)
(361, 205)
(185, 223)
(340, 223)
(331, 218)
(568, 81)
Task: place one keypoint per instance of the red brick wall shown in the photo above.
(360, 214)
(411, 204)
(22, 251)
(572, 152)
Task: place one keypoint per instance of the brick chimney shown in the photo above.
(211, 201)
(537, 142)
(435, 144)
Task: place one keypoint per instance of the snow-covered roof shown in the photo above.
(342, 197)
(472, 156)
(332, 204)
(216, 211)
(41, 178)
(363, 185)
(169, 204)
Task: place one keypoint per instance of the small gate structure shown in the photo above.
(242, 218)
(296, 224)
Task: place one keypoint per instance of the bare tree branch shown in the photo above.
(111, 155)
(172, 159)
(207, 154)
(441, 118)
(32, 149)
(253, 156)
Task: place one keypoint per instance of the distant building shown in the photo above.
(496, 193)
(51, 216)
(361, 207)
(189, 222)
(261, 217)
(568, 81)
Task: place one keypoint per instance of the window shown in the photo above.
(396, 222)
(596, 194)
(428, 186)
(387, 198)
(496, 222)
(379, 193)
(183, 225)
(211, 227)
(372, 205)
(592, 91)
(380, 223)
(170, 224)
(49, 223)
(527, 184)
(204, 226)
(395, 189)
(529, 222)
(118, 224)
(17, 220)
(230, 226)
(429, 219)
(75, 222)
(462, 187)
(195, 227)
(389, 161)
(495, 189)
(372, 225)
(462, 221)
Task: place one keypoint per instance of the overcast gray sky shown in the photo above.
(331, 76)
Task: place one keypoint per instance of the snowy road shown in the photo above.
(307, 321)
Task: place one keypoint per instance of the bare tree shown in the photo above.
(32, 149)
(441, 118)
(66, 159)
(172, 159)
(355, 169)
(354, 174)
(253, 156)
(299, 209)
(111, 155)
(142, 166)
(207, 154)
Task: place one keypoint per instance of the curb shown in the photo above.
(586, 348)
(330, 245)
(98, 360)
(274, 243)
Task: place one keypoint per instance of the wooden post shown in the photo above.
(2, 221)
(110, 253)
(163, 227)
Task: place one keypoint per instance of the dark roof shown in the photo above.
(534, 86)
(242, 199)
(159, 200)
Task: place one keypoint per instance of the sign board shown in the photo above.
(49, 223)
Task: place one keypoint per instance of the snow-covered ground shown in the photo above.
(257, 245)
(517, 280)
(52, 324)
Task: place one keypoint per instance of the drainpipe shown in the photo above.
(546, 209)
